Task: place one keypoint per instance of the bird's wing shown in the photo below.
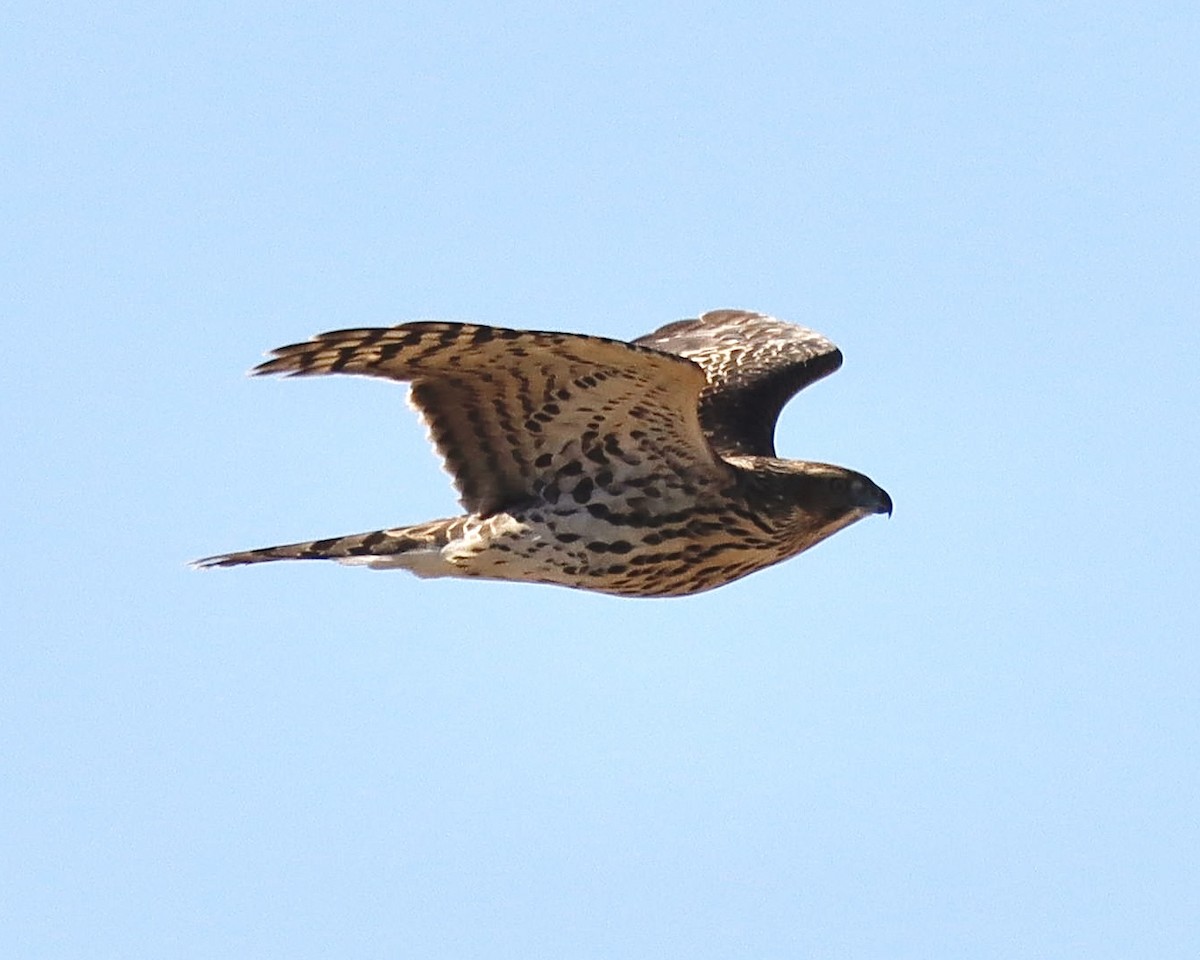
(517, 413)
(754, 365)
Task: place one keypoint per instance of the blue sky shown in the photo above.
(969, 731)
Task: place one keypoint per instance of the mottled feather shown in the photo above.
(510, 410)
(754, 365)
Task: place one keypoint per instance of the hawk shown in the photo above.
(640, 469)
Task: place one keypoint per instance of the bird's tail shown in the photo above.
(414, 548)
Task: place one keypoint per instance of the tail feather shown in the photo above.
(354, 548)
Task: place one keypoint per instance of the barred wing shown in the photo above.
(518, 413)
(754, 364)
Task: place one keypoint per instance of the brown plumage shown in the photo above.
(638, 469)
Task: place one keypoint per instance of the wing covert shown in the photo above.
(754, 364)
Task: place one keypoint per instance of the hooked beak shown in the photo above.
(885, 503)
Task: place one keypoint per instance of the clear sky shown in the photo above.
(970, 731)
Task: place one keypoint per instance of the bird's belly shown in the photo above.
(629, 555)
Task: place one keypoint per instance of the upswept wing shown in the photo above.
(517, 413)
(754, 364)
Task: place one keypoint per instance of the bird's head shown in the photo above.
(816, 499)
(834, 491)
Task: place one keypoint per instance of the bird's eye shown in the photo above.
(838, 485)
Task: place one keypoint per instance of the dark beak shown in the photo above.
(885, 503)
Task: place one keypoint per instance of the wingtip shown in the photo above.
(272, 365)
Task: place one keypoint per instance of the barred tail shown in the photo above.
(412, 547)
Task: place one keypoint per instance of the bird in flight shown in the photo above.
(640, 469)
